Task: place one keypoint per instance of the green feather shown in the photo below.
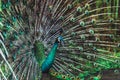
(39, 52)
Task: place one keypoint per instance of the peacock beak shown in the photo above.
(61, 41)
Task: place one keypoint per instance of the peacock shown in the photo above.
(59, 39)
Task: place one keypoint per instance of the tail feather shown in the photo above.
(90, 29)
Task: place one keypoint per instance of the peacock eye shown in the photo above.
(82, 23)
(68, 75)
(77, 78)
(72, 78)
(93, 21)
(55, 74)
(63, 77)
(111, 20)
(79, 9)
(72, 19)
(61, 17)
(87, 12)
(69, 6)
(116, 71)
(87, 5)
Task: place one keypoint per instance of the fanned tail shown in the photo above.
(90, 28)
(92, 39)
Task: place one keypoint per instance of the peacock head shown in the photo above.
(60, 40)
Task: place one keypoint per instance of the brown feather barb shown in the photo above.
(91, 33)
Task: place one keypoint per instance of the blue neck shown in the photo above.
(47, 64)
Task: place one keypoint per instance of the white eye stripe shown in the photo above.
(59, 40)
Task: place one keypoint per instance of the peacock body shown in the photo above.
(59, 39)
